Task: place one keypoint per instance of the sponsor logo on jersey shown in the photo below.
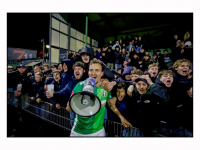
(104, 93)
(103, 102)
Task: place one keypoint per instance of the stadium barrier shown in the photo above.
(61, 117)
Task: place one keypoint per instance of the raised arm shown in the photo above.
(111, 104)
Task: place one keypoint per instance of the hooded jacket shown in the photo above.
(114, 46)
(126, 71)
(66, 76)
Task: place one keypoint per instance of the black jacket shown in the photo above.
(18, 78)
(37, 89)
(142, 67)
(145, 111)
(118, 57)
(48, 72)
(182, 101)
(166, 105)
(110, 57)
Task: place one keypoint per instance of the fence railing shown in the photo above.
(61, 117)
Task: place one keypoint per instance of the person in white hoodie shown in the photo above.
(117, 44)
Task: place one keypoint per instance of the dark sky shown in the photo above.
(25, 29)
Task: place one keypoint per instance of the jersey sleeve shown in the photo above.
(77, 88)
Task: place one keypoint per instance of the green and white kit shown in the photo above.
(89, 125)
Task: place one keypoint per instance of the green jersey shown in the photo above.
(89, 125)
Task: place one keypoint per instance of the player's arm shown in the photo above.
(111, 104)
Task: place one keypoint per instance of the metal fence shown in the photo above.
(61, 117)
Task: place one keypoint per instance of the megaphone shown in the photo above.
(85, 103)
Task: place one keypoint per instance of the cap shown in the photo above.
(53, 66)
(141, 79)
(21, 66)
(147, 73)
(10, 67)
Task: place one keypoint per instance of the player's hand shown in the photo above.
(125, 123)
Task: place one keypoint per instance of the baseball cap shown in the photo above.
(141, 79)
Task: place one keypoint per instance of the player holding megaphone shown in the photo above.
(92, 125)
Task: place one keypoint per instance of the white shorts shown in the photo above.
(99, 133)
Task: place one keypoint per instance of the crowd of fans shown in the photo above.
(154, 93)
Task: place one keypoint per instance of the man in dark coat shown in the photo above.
(145, 108)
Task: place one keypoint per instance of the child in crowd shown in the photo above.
(36, 94)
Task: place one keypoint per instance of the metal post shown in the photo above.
(43, 51)
(86, 30)
(50, 21)
(69, 33)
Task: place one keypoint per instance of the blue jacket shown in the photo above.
(125, 108)
(37, 89)
(66, 91)
(99, 55)
(66, 76)
(126, 71)
(129, 47)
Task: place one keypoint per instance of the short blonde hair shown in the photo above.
(137, 71)
(97, 61)
(39, 73)
(153, 65)
(55, 71)
(45, 65)
(179, 61)
(165, 72)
